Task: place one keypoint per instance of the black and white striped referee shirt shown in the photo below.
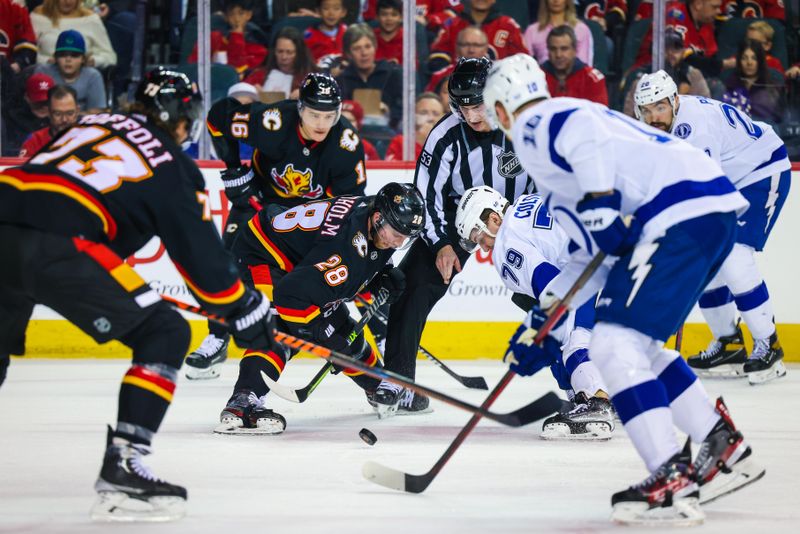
(455, 158)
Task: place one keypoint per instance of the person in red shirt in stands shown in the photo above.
(470, 43)
(239, 47)
(566, 74)
(694, 20)
(62, 104)
(432, 14)
(325, 39)
(17, 39)
(389, 32)
(428, 111)
(352, 111)
(504, 34)
(755, 9)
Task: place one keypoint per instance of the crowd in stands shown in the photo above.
(62, 58)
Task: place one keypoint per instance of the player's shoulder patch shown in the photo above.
(683, 130)
(596, 75)
(360, 244)
(349, 140)
(425, 158)
(271, 119)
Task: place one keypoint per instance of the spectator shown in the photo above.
(54, 16)
(554, 13)
(470, 43)
(443, 91)
(432, 14)
(240, 47)
(70, 69)
(389, 32)
(566, 74)
(308, 8)
(610, 14)
(325, 39)
(17, 39)
(353, 112)
(428, 111)
(750, 87)
(21, 121)
(758, 9)
(761, 31)
(287, 64)
(505, 37)
(363, 72)
(62, 106)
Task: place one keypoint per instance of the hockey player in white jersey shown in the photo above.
(595, 168)
(528, 251)
(754, 158)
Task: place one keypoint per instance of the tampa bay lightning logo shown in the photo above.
(683, 130)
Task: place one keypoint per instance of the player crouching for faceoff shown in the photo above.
(594, 167)
(754, 158)
(310, 260)
(89, 198)
(529, 250)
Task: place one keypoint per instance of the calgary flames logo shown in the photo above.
(360, 244)
(292, 183)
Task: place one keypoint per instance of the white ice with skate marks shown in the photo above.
(308, 479)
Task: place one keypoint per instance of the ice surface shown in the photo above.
(308, 480)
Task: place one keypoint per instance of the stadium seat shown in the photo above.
(379, 136)
(222, 77)
(600, 46)
(517, 10)
(734, 30)
(189, 34)
(633, 40)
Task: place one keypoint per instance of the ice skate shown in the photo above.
(205, 363)
(766, 362)
(591, 419)
(724, 463)
(128, 490)
(724, 357)
(245, 414)
(391, 399)
(668, 497)
(412, 403)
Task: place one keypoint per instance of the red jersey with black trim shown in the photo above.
(755, 9)
(391, 50)
(395, 150)
(242, 55)
(435, 12)
(34, 142)
(290, 170)
(591, 9)
(503, 33)
(324, 247)
(17, 39)
(117, 180)
(582, 82)
(321, 44)
(680, 19)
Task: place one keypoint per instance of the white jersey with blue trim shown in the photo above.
(747, 150)
(572, 147)
(530, 248)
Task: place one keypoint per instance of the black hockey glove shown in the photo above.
(3, 367)
(392, 280)
(240, 185)
(253, 326)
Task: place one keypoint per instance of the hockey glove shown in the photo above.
(526, 358)
(240, 185)
(391, 279)
(601, 217)
(253, 326)
(4, 360)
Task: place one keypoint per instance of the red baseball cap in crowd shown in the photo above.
(355, 108)
(37, 86)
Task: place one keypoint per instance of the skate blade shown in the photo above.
(777, 370)
(193, 373)
(682, 513)
(742, 474)
(385, 411)
(725, 371)
(117, 506)
(234, 429)
(418, 412)
(596, 431)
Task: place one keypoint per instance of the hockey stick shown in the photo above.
(679, 338)
(541, 407)
(398, 480)
(301, 394)
(472, 382)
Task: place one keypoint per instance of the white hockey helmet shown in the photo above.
(468, 214)
(653, 88)
(513, 82)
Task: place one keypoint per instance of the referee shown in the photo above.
(462, 151)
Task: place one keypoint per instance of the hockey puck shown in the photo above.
(368, 437)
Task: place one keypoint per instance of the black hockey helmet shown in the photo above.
(321, 92)
(171, 96)
(402, 207)
(467, 82)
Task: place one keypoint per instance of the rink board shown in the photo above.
(473, 320)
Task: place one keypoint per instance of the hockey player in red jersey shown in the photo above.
(310, 260)
(303, 151)
(69, 216)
